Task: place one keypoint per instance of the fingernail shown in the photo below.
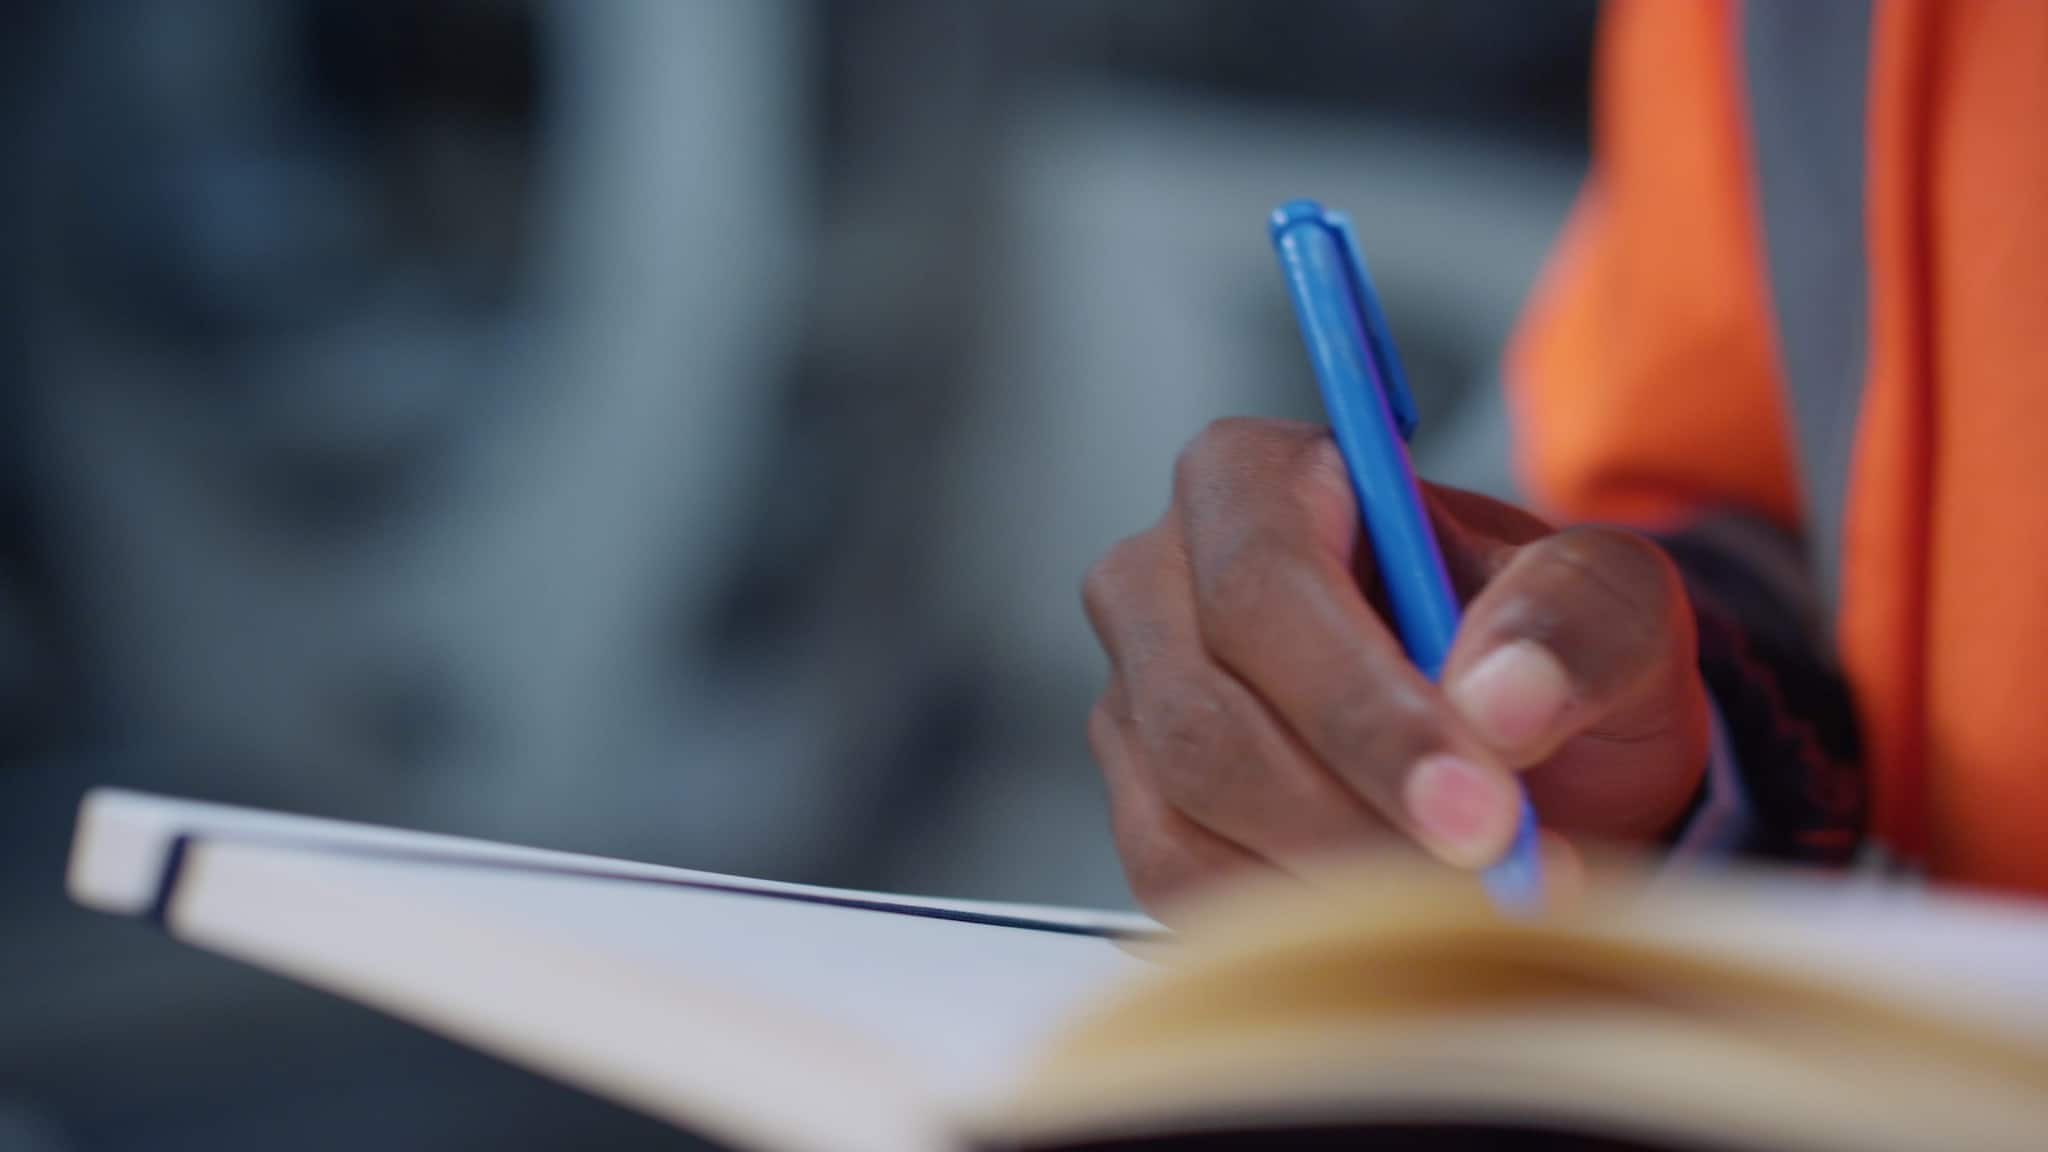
(1465, 808)
(1513, 695)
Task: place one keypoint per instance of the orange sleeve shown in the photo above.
(1643, 380)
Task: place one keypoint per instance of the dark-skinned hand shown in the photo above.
(1261, 714)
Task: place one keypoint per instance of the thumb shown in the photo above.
(1586, 628)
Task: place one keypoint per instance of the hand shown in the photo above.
(1261, 713)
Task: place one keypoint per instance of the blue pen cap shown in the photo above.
(1379, 341)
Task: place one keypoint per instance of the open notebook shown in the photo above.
(1379, 1010)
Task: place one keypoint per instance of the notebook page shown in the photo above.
(748, 1073)
(963, 1003)
(961, 990)
(1980, 960)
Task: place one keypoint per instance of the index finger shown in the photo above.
(1268, 520)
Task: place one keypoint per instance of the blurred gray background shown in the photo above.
(672, 429)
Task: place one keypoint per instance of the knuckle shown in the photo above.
(1202, 459)
(1167, 865)
(1187, 720)
(1318, 476)
(1217, 446)
(1155, 866)
(1155, 872)
(1105, 587)
(1199, 748)
(1225, 452)
(1241, 580)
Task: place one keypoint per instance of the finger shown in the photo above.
(1217, 755)
(1477, 534)
(1126, 600)
(1575, 632)
(1207, 743)
(1165, 855)
(1266, 514)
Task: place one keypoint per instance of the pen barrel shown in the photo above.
(1355, 398)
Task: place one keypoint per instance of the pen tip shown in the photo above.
(1516, 882)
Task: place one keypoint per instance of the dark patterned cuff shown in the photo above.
(1787, 711)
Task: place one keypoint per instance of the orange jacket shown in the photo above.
(1829, 306)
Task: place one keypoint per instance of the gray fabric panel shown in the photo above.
(1807, 66)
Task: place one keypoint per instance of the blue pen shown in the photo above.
(1372, 415)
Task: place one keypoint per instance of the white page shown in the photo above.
(1980, 960)
(964, 1003)
(959, 1002)
(703, 1056)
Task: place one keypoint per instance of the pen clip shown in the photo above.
(1379, 342)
